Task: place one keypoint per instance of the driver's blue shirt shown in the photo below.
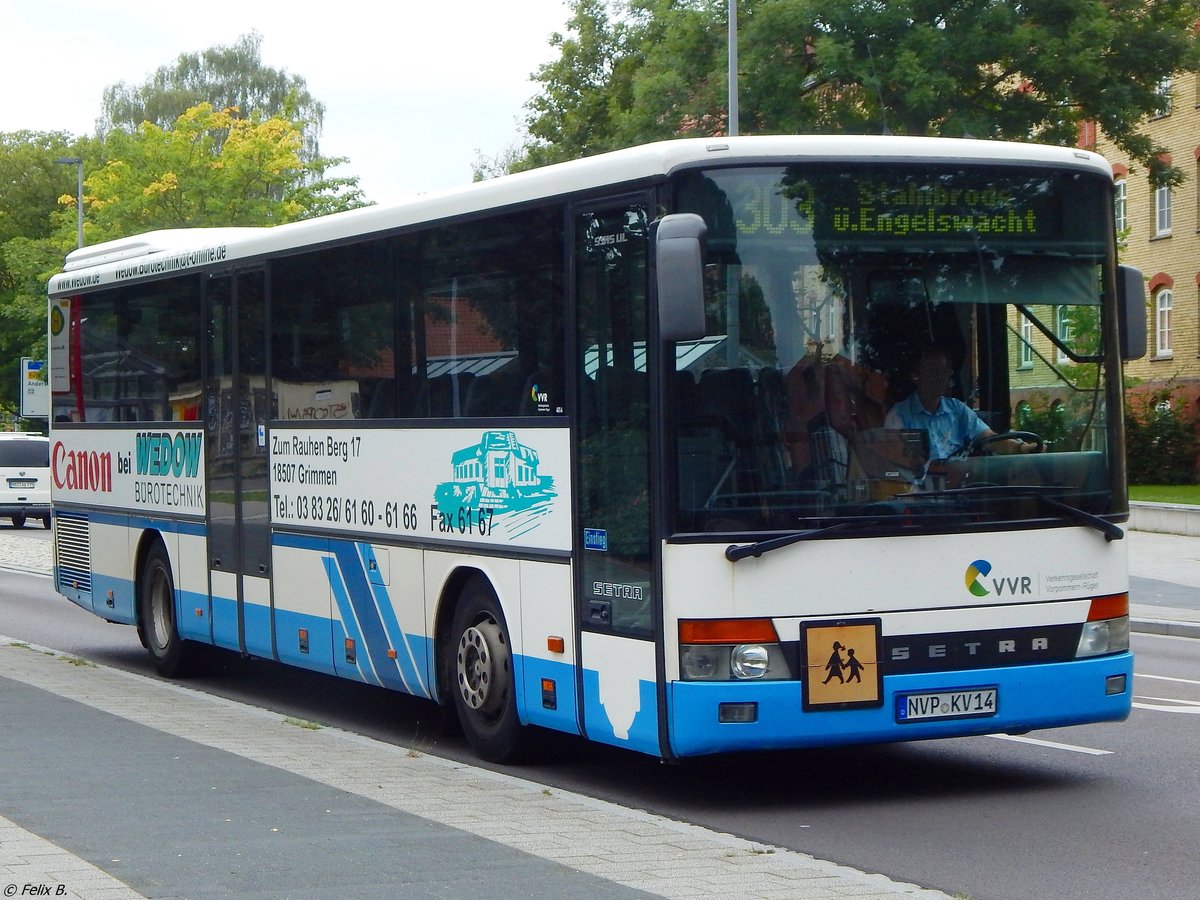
(951, 426)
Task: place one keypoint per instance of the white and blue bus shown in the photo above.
(603, 448)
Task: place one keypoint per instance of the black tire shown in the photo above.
(46, 522)
(156, 607)
(480, 668)
(18, 520)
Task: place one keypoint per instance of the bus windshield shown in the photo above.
(894, 346)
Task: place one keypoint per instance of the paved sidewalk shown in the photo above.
(1171, 560)
(192, 795)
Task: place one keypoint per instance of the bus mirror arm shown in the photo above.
(1131, 312)
(679, 275)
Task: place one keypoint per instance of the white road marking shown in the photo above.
(1167, 678)
(1187, 707)
(1168, 700)
(1053, 745)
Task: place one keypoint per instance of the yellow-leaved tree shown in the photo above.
(212, 168)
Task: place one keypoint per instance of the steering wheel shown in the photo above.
(977, 447)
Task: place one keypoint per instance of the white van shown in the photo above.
(25, 478)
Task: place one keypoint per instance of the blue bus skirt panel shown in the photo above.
(548, 695)
(642, 734)
(69, 582)
(1029, 697)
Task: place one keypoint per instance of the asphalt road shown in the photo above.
(1104, 811)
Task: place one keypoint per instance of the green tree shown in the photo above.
(33, 241)
(982, 68)
(1160, 438)
(186, 176)
(31, 182)
(583, 90)
(227, 77)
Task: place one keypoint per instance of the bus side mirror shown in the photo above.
(1131, 312)
(679, 260)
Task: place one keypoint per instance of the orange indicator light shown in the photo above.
(727, 631)
(1110, 606)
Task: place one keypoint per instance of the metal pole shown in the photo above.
(733, 69)
(79, 202)
(76, 161)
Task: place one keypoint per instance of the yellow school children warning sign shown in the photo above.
(841, 664)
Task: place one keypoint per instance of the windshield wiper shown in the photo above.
(1110, 531)
(734, 552)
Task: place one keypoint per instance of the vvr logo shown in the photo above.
(977, 581)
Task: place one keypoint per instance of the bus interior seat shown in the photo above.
(443, 396)
(382, 398)
(494, 395)
(805, 407)
(854, 404)
(772, 411)
(617, 392)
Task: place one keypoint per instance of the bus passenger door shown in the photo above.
(616, 589)
(236, 410)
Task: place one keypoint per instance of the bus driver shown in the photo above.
(950, 423)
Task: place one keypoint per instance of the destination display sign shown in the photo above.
(877, 204)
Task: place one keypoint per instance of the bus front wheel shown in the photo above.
(156, 604)
(481, 666)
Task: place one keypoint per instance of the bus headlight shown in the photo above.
(730, 650)
(1107, 627)
(1107, 636)
(699, 663)
(749, 661)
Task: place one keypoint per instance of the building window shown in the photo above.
(1024, 414)
(1062, 327)
(1026, 355)
(1164, 97)
(1120, 209)
(1162, 211)
(1163, 301)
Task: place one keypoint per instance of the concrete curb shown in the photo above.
(1165, 518)
(1165, 626)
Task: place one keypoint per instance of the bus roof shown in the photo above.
(175, 250)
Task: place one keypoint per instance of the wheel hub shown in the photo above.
(481, 672)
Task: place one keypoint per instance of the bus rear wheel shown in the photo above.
(479, 660)
(156, 605)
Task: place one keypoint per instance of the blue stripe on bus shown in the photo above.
(1030, 697)
(349, 626)
(370, 624)
(225, 623)
(299, 541)
(258, 636)
(143, 522)
(193, 627)
(406, 661)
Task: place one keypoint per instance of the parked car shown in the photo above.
(25, 478)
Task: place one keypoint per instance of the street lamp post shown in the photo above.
(76, 161)
(733, 66)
